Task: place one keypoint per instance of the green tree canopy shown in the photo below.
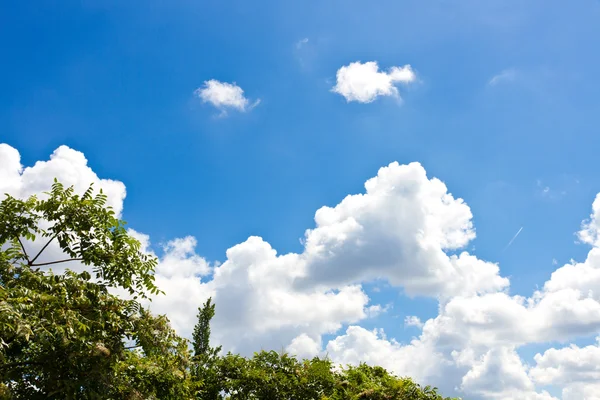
(65, 336)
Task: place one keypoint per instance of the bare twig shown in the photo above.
(42, 250)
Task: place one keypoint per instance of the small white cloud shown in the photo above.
(225, 96)
(508, 75)
(412, 320)
(364, 82)
(376, 310)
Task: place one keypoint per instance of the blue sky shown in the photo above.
(504, 111)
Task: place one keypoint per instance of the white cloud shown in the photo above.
(361, 345)
(376, 310)
(500, 374)
(412, 320)
(406, 229)
(507, 75)
(576, 369)
(10, 170)
(398, 230)
(225, 96)
(304, 346)
(590, 232)
(275, 312)
(364, 82)
(69, 165)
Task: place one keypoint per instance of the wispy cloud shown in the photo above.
(301, 43)
(554, 193)
(507, 75)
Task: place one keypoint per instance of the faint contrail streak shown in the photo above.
(513, 239)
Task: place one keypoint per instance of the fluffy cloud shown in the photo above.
(500, 374)
(399, 230)
(65, 163)
(406, 229)
(275, 312)
(577, 369)
(224, 96)
(364, 82)
(472, 343)
(417, 359)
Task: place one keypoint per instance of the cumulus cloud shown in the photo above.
(406, 229)
(67, 164)
(225, 96)
(474, 339)
(574, 368)
(500, 374)
(364, 82)
(358, 344)
(304, 346)
(399, 230)
(274, 310)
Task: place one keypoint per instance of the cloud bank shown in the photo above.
(406, 228)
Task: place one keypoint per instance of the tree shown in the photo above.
(375, 383)
(206, 357)
(201, 335)
(279, 376)
(65, 336)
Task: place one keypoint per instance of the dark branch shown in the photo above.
(42, 250)
(56, 262)
(24, 251)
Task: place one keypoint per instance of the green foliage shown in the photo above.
(275, 376)
(271, 376)
(65, 336)
(375, 383)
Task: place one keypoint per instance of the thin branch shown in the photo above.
(132, 347)
(24, 251)
(56, 262)
(42, 250)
